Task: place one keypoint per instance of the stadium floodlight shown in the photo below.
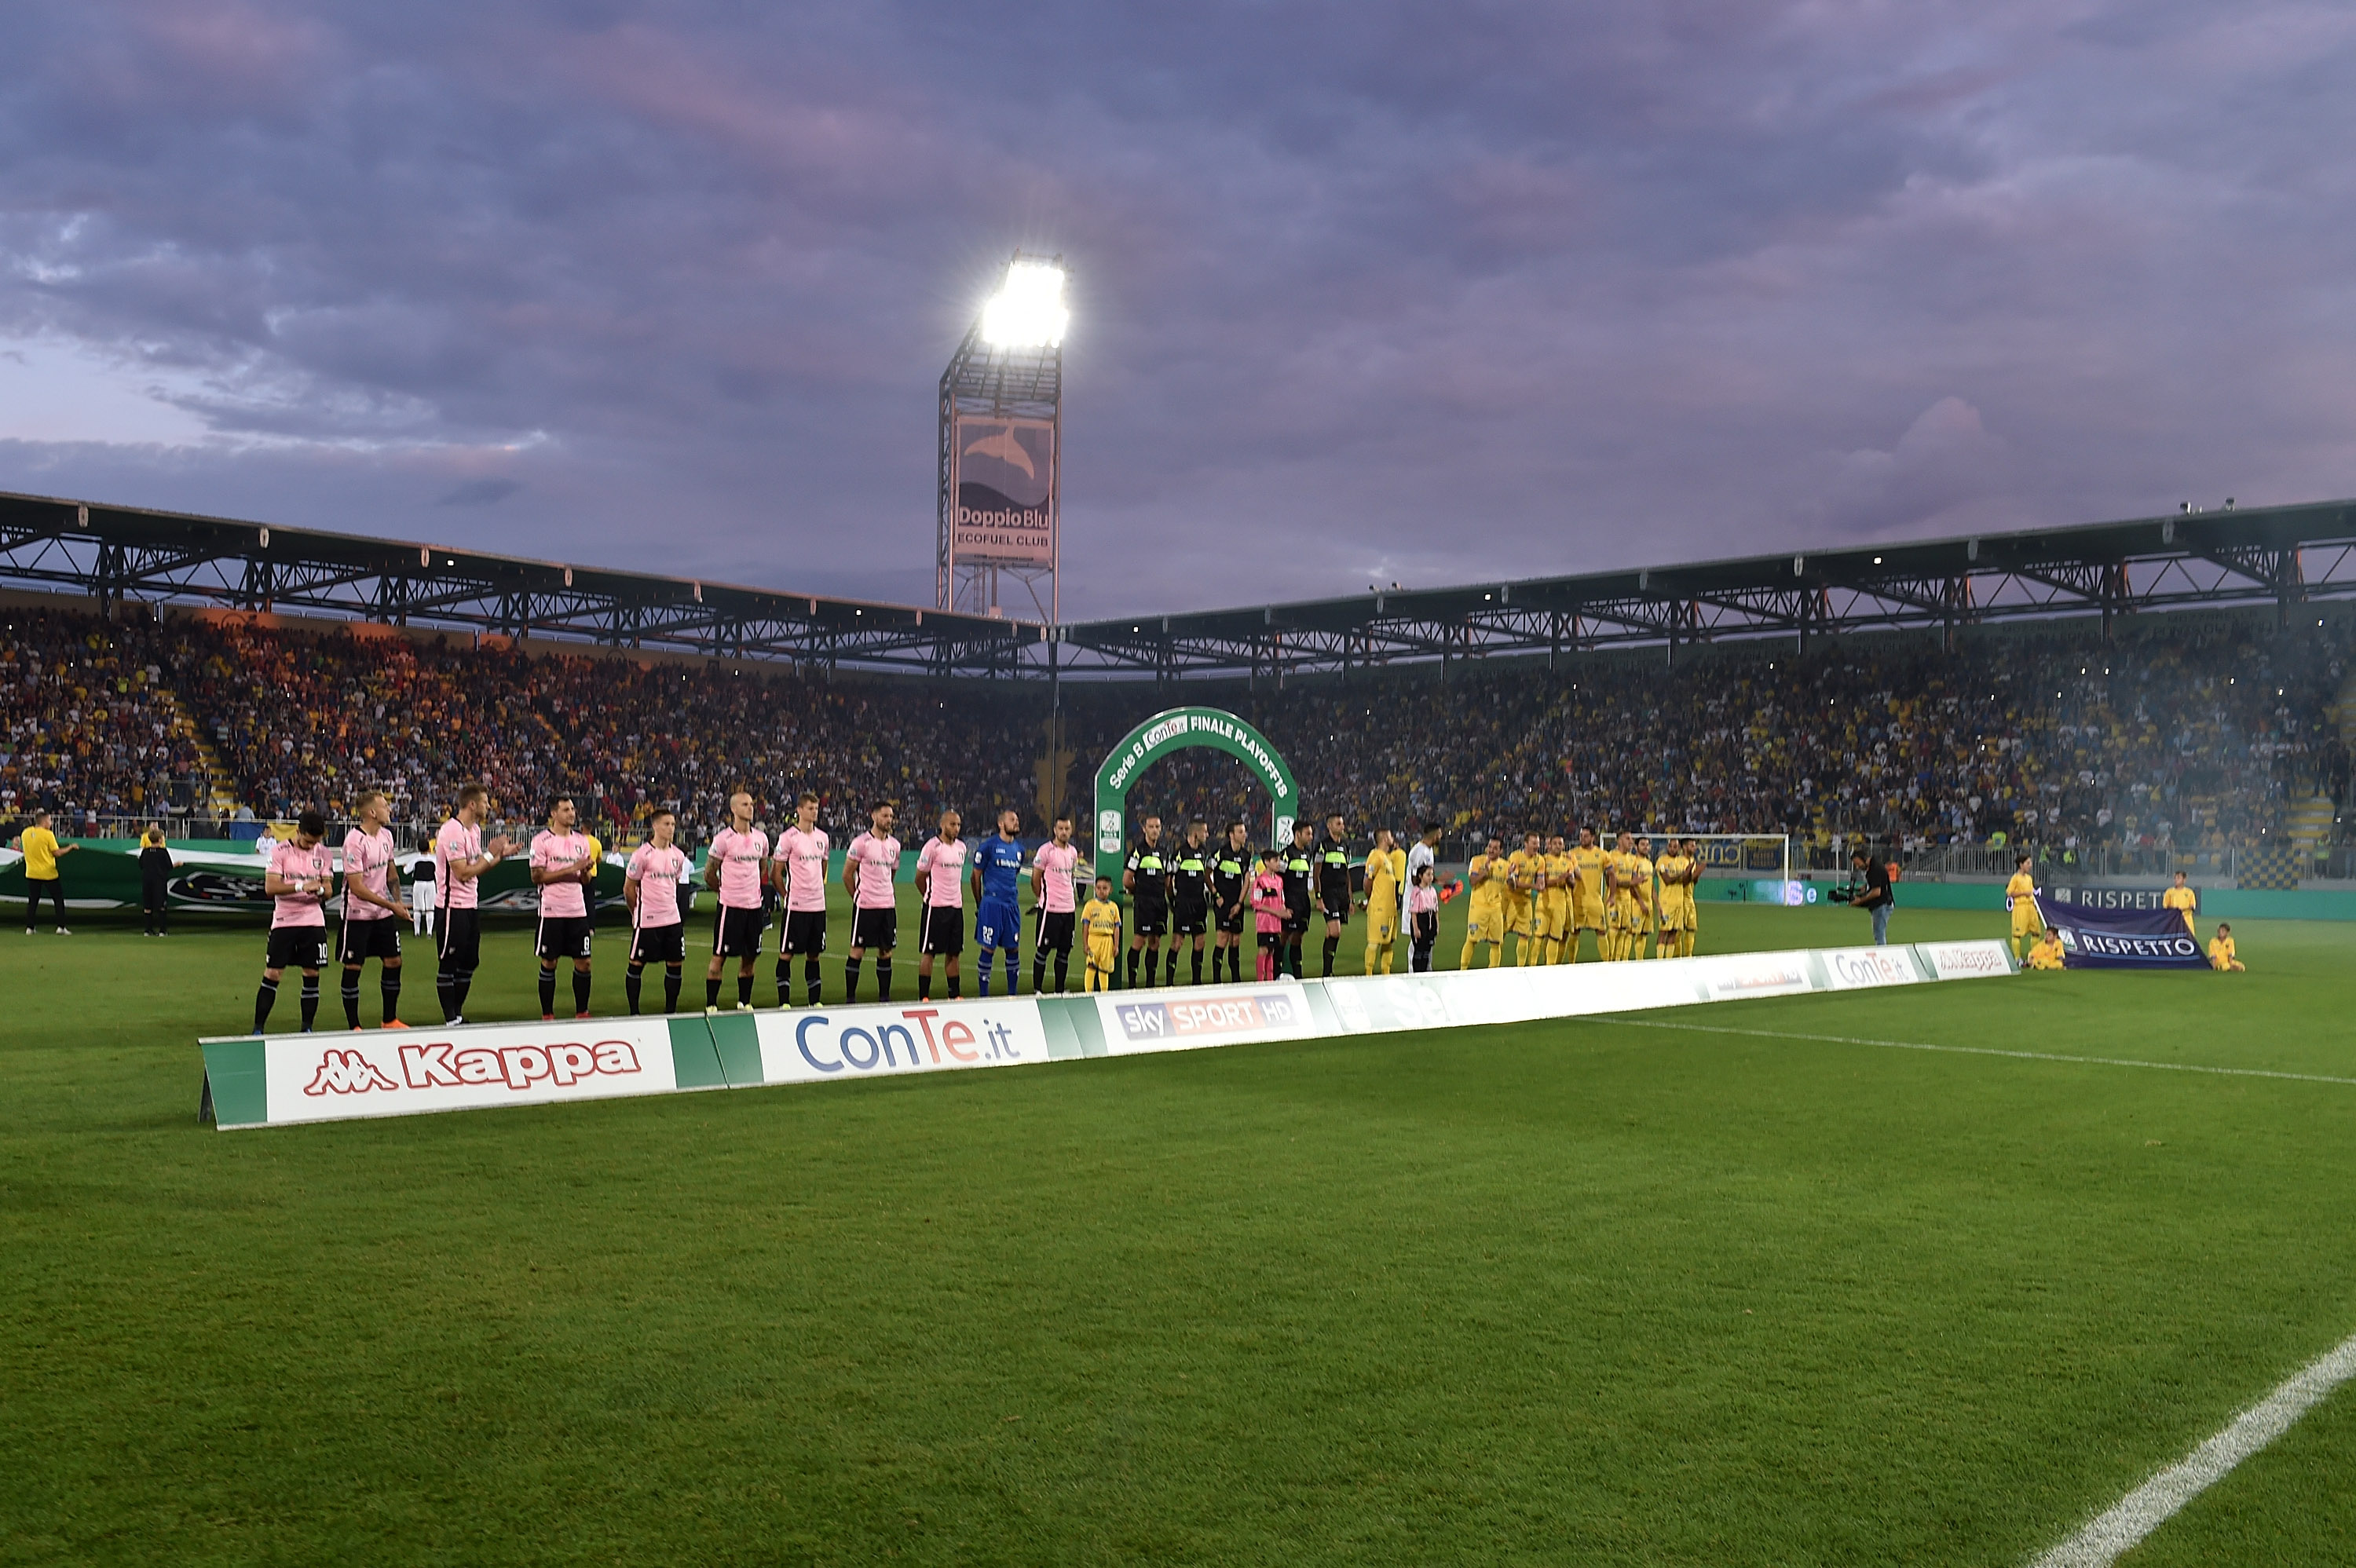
(999, 484)
(1028, 310)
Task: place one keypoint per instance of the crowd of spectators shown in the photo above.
(2178, 732)
(88, 726)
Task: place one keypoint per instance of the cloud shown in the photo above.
(478, 492)
(1522, 289)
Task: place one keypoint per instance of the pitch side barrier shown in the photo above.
(279, 1080)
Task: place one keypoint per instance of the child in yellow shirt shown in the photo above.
(2220, 950)
(1100, 925)
(2047, 952)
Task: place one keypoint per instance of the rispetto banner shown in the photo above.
(2121, 938)
(278, 1079)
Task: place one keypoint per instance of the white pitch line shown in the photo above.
(2105, 1538)
(1974, 1051)
(2151, 1505)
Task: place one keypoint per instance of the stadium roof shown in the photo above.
(2261, 555)
(2278, 555)
(119, 553)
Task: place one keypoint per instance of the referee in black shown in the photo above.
(1332, 887)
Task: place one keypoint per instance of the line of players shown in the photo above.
(1187, 891)
(1548, 892)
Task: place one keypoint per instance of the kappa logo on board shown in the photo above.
(346, 1073)
(517, 1066)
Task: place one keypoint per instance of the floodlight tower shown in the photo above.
(1002, 446)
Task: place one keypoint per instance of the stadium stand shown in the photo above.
(2181, 733)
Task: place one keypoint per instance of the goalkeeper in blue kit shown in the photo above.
(997, 918)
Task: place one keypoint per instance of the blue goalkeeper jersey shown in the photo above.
(1001, 860)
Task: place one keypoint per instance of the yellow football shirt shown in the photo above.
(1588, 865)
(1101, 920)
(1385, 871)
(41, 854)
(1675, 895)
(2047, 954)
(2182, 899)
(2220, 952)
(1488, 891)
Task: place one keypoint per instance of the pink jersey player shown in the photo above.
(942, 862)
(550, 850)
(367, 859)
(878, 861)
(740, 856)
(804, 855)
(656, 873)
(311, 869)
(454, 841)
(1060, 863)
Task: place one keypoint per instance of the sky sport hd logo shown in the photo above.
(1143, 1022)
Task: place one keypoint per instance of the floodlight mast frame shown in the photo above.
(994, 382)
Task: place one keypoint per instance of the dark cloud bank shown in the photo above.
(1432, 293)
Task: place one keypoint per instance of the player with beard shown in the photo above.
(997, 906)
(460, 858)
(1054, 889)
(940, 894)
(299, 880)
(735, 864)
(562, 859)
(868, 867)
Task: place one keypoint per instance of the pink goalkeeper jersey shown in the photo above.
(805, 858)
(297, 865)
(740, 856)
(878, 861)
(560, 901)
(367, 859)
(944, 859)
(1061, 862)
(656, 873)
(456, 841)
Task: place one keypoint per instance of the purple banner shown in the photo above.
(2121, 938)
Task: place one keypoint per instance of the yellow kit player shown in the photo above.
(2220, 950)
(1484, 919)
(1691, 937)
(1385, 871)
(2047, 954)
(1645, 896)
(1677, 902)
(1524, 882)
(1587, 892)
(2020, 897)
(1553, 914)
(1620, 897)
(2183, 899)
(1100, 925)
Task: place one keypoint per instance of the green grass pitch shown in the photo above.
(1586, 1292)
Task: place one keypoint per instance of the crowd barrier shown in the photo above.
(279, 1080)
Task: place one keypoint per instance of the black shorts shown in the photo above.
(1056, 931)
(943, 930)
(461, 938)
(297, 947)
(659, 944)
(564, 936)
(736, 933)
(1149, 920)
(876, 928)
(1190, 922)
(365, 939)
(1295, 921)
(1233, 924)
(805, 933)
(1340, 911)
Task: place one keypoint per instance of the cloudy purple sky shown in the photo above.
(1361, 291)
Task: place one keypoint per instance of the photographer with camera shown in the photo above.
(1870, 877)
